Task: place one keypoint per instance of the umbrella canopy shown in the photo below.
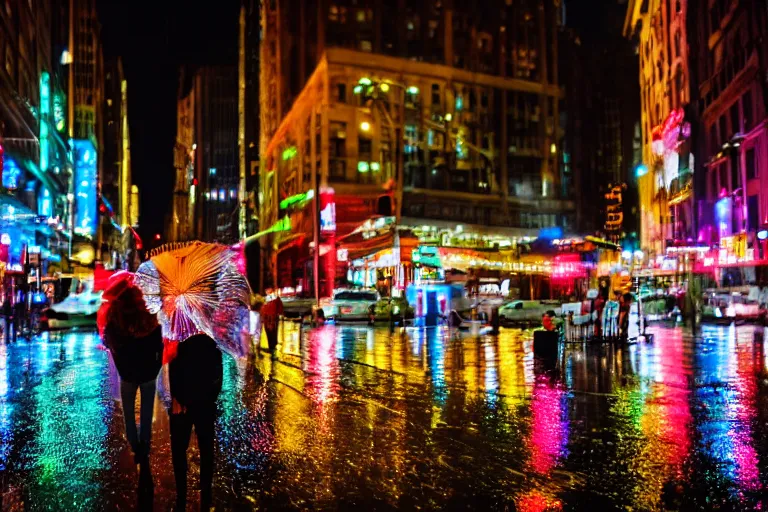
(196, 288)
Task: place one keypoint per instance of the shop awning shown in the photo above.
(14, 212)
(358, 247)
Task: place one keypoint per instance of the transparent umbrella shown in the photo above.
(194, 288)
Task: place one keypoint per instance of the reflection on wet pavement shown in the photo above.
(357, 417)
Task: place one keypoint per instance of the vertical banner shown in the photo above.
(327, 211)
(85, 187)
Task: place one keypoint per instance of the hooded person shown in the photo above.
(134, 338)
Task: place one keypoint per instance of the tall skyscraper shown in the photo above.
(598, 69)
(206, 157)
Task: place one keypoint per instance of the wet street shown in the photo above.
(355, 418)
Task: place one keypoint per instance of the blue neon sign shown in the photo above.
(85, 187)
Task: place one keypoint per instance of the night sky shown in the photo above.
(154, 38)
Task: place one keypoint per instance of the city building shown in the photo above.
(666, 176)
(115, 182)
(206, 158)
(181, 224)
(85, 126)
(248, 136)
(730, 58)
(601, 114)
(440, 115)
(34, 154)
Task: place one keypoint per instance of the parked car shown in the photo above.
(350, 304)
(297, 307)
(77, 310)
(527, 311)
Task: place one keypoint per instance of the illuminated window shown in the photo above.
(222, 195)
(232, 193)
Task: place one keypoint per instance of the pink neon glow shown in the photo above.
(743, 410)
(549, 432)
(240, 261)
(322, 385)
(673, 401)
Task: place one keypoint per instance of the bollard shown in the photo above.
(495, 321)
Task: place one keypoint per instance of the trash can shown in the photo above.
(545, 343)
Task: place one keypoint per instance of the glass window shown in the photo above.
(364, 149)
(746, 107)
(723, 170)
(753, 217)
(749, 164)
(341, 93)
(735, 121)
(723, 129)
(436, 94)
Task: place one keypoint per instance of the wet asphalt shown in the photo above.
(361, 418)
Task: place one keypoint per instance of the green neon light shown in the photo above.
(362, 166)
(364, 81)
(358, 89)
(290, 152)
(45, 112)
(295, 199)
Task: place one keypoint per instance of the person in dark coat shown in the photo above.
(133, 336)
(195, 376)
(270, 319)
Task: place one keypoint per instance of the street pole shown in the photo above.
(316, 235)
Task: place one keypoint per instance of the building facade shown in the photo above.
(666, 176)
(443, 116)
(205, 204)
(115, 182)
(35, 155)
(181, 224)
(731, 61)
(601, 114)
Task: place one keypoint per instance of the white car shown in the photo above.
(527, 311)
(350, 304)
(78, 309)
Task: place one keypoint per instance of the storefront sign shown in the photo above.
(734, 246)
(327, 211)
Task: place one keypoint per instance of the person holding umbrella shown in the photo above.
(133, 337)
(202, 301)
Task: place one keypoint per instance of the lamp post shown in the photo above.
(371, 92)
